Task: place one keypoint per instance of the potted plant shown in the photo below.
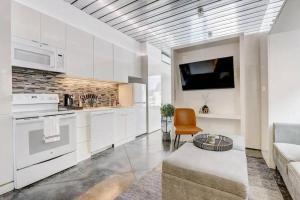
(167, 112)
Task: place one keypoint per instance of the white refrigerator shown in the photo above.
(134, 94)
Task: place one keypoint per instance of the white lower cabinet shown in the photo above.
(120, 127)
(102, 130)
(99, 130)
(83, 150)
(131, 124)
(125, 126)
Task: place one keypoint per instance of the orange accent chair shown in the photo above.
(185, 123)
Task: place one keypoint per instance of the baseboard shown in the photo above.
(102, 149)
(83, 158)
(124, 141)
(6, 188)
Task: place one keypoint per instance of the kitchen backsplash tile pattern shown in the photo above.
(36, 81)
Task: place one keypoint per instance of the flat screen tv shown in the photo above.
(209, 74)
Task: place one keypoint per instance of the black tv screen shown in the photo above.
(209, 74)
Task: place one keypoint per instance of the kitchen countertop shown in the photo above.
(101, 109)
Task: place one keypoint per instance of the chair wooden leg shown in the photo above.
(175, 140)
(178, 141)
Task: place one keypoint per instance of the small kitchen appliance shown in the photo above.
(44, 138)
(68, 100)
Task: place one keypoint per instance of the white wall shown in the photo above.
(244, 100)
(71, 15)
(6, 147)
(252, 83)
(166, 83)
(264, 96)
(283, 81)
(288, 19)
(280, 94)
(220, 101)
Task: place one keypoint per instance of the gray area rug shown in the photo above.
(263, 185)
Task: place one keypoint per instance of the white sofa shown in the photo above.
(287, 155)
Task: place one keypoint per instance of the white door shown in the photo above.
(121, 60)
(79, 53)
(102, 130)
(6, 150)
(53, 32)
(103, 60)
(25, 22)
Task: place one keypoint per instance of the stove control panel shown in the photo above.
(27, 99)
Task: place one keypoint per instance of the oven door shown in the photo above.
(33, 55)
(30, 147)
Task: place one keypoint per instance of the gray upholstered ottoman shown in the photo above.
(193, 174)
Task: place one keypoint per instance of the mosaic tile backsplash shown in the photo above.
(36, 81)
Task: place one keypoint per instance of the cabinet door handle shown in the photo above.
(35, 41)
(44, 44)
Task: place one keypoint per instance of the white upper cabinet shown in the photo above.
(79, 53)
(53, 32)
(103, 60)
(25, 22)
(121, 60)
(32, 25)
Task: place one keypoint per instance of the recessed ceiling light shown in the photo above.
(200, 11)
(209, 33)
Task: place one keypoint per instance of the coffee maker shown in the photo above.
(68, 100)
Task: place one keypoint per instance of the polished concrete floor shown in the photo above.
(108, 174)
(102, 177)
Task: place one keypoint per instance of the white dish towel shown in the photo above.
(51, 129)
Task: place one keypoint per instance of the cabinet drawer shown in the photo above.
(83, 134)
(83, 119)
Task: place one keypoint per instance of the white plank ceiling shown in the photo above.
(170, 23)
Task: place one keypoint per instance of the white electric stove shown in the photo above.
(44, 137)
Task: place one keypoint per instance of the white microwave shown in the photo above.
(34, 55)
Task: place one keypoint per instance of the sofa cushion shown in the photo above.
(294, 176)
(225, 171)
(290, 152)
